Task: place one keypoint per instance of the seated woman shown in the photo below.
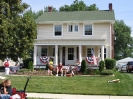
(5, 87)
(59, 69)
(69, 70)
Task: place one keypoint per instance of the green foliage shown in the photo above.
(101, 66)
(110, 63)
(47, 67)
(124, 42)
(17, 31)
(26, 62)
(24, 70)
(107, 72)
(30, 66)
(91, 71)
(83, 66)
(78, 6)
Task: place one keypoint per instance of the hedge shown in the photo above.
(110, 63)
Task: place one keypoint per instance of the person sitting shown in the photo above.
(59, 69)
(69, 70)
(5, 87)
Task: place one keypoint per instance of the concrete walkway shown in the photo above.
(67, 96)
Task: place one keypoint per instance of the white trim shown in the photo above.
(54, 30)
(110, 42)
(73, 26)
(84, 28)
(77, 21)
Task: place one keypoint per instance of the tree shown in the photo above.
(124, 42)
(78, 6)
(17, 31)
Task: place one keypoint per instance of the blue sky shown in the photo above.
(123, 8)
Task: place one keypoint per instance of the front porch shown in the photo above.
(68, 54)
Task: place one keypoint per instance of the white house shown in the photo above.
(68, 36)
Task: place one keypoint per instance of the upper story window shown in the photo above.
(58, 30)
(73, 28)
(87, 29)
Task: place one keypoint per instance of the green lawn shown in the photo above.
(77, 84)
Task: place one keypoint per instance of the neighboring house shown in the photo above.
(68, 36)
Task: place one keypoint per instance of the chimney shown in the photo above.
(49, 8)
(110, 6)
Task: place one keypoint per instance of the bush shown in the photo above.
(30, 66)
(47, 67)
(107, 72)
(101, 66)
(91, 71)
(83, 66)
(110, 63)
(26, 62)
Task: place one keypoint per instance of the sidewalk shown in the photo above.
(67, 96)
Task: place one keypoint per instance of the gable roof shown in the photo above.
(77, 16)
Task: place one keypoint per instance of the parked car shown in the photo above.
(129, 66)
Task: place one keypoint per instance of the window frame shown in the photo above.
(73, 28)
(90, 48)
(105, 53)
(46, 54)
(84, 29)
(54, 30)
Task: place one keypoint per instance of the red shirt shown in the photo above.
(6, 64)
(59, 67)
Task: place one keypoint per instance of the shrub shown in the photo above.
(107, 72)
(91, 71)
(30, 65)
(101, 66)
(47, 67)
(26, 62)
(110, 63)
(83, 66)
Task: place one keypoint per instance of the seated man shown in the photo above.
(59, 69)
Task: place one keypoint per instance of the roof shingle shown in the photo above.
(77, 16)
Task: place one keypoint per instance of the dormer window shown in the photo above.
(73, 28)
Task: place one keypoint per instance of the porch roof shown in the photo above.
(70, 42)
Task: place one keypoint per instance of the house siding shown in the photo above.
(101, 30)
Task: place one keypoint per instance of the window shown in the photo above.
(88, 30)
(44, 51)
(89, 52)
(72, 28)
(70, 53)
(58, 30)
(104, 52)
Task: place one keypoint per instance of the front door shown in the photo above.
(70, 56)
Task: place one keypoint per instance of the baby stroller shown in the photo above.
(21, 93)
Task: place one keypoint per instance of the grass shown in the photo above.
(86, 85)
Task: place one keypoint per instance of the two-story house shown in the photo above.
(68, 36)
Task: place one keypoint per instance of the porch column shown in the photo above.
(80, 54)
(102, 52)
(60, 54)
(56, 55)
(35, 54)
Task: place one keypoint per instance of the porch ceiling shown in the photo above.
(70, 42)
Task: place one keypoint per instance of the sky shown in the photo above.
(123, 8)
